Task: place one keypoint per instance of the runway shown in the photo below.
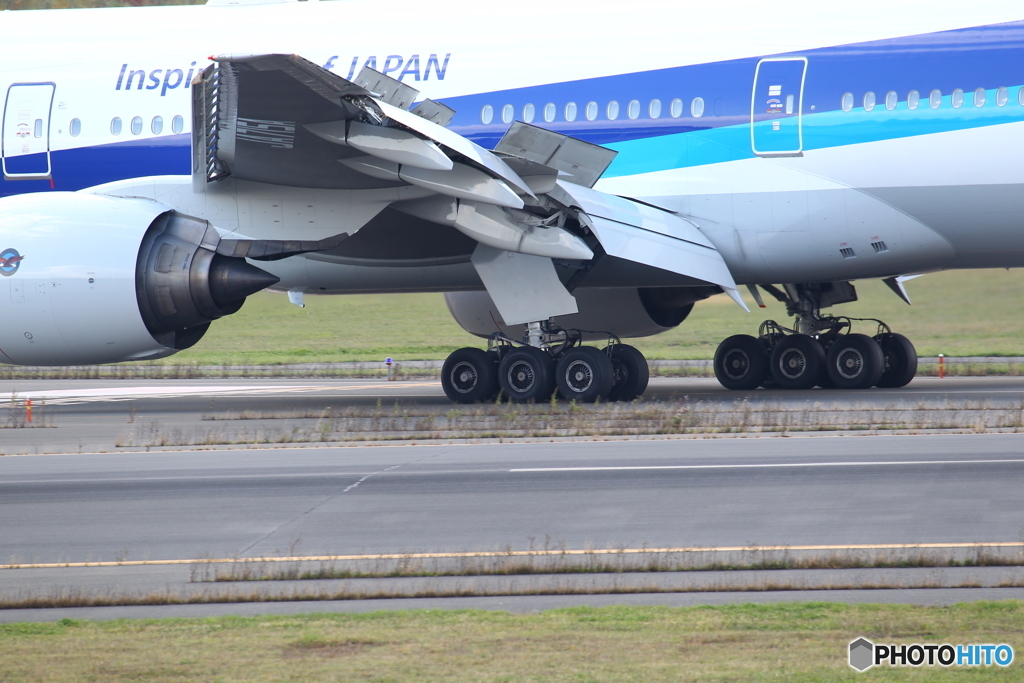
(175, 506)
(118, 415)
(401, 499)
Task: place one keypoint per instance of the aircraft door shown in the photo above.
(776, 121)
(26, 130)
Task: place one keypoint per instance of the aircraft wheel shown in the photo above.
(741, 362)
(470, 376)
(900, 360)
(585, 374)
(526, 374)
(797, 362)
(629, 371)
(855, 361)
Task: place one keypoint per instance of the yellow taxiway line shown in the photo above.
(521, 553)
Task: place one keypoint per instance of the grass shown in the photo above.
(963, 313)
(800, 642)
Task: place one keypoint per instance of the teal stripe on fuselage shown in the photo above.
(820, 131)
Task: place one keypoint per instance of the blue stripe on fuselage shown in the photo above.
(978, 57)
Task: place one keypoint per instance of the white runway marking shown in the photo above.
(866, 463)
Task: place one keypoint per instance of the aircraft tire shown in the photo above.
(855, 361)
(741, 362)
(797, 362)
(900, 364)
(470, 376)
(629, 371)
(527, 374)
(585, 374)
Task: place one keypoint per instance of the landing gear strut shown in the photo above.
(547, 360)
(818, 351)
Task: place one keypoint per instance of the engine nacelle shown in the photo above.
(87, 279)
(625, 312)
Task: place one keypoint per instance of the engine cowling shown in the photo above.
(625, 312)
(87, 279)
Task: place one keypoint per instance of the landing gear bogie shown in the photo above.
(819, 351)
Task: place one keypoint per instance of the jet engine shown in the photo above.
(625, 312)
(87, 279)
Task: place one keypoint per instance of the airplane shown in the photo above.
(562, 175)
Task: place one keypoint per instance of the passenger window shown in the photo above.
(570, 111)
(913, 99)
(115, 125)
(890, 100)
(654, 109)
(528, 112)
(549, 112)
(136, 125)
(957, 98)
(935, 99)
(633, 109)
(178, 123)
(979, 97)
(847, 101)
(507, 112)
(676, 108)
(1020, 96)
(869, 101)
(591, 111)
(487, 114)
(697, 107)
(1002, 96)
(76, 127)
(157, 125)
(612, 111)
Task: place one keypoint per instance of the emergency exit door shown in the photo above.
(26, 130)
(776, 121)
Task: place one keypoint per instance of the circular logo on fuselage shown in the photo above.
(10, 261)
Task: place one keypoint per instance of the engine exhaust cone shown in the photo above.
(233, 279)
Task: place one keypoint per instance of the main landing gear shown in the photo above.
(821, 351)
(548, 361)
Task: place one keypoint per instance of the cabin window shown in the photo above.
(136, 125)
(957, 98)
(979, 97)
(528, 112)
(612, 110)
(935, 99)
(157, 125)
(676, 108)
(1020, 96)
(697, 107)
(913, 99)
(1002, 96)
(178, 123)
(487, 114)
(890, 100)
(549, 112)
(633, 109)
(76, 127)
(507, 112)
(591, 111)
(847, 101)
(654, 109)
(115, 125)
(869, 101)
(570, 111)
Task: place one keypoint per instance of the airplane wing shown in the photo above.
(282, 120)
